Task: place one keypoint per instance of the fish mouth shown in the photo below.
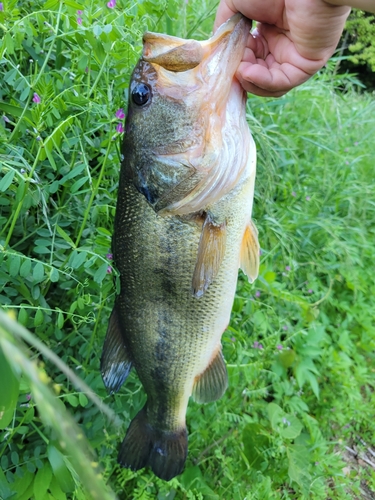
(201, 76)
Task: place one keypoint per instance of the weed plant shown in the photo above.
(298, 418)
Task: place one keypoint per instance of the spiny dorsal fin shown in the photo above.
(115, 363)
(180, 55)
(211, 251)
(212, 383)
(249, 257)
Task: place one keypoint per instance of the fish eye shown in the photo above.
(141, 94)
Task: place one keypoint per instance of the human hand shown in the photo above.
(292, 40)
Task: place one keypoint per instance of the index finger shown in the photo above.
(224, 12)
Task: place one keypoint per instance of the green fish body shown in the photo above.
(182, 229)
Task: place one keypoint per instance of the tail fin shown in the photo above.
(165, 452)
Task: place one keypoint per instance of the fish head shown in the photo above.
(186, 119)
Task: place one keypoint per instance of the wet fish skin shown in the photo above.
(169, 317)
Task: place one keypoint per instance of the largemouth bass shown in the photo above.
(182, 229)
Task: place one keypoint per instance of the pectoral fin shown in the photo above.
(249, 258)
(212, 383)
(211, 251)
(115, 363)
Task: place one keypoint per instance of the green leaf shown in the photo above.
(23, 316)
(15, 110)
(298, 458)
(54, 275)
(60, 320)
(101, 273)
(255, 443)
(82, 399)
(42, 481)
(9, 391)
(60, 470)
(65, 236)
(7, 180)
(38, 272)
(39, 318)
(25, 268)
(14, 264)
(74, 5)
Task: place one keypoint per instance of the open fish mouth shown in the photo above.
(196, 81)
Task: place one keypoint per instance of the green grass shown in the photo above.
(298, 418)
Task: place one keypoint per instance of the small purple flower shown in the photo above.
(28, 397)
(1, 7)
(79, 20)
(257, 345)
(310, 291)
(287, 268)
(279, 347)
(119, 128)
(38, 138)
(79, 12)
(285, 327)
(356, 143)
(308, 198)
(109, 269)
(294, 194)
(109, 256)
(111, 4)
(233, 339)
(36, 98)
(120, 115)
(257, 294)
(6, 119)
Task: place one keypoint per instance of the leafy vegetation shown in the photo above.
(298, 418)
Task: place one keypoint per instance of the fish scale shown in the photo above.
(178, 268)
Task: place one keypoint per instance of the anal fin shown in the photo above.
(249, 257)
(213, 382)
(115, 363)
(211, 251)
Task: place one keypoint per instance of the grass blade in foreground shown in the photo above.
(53, 413)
